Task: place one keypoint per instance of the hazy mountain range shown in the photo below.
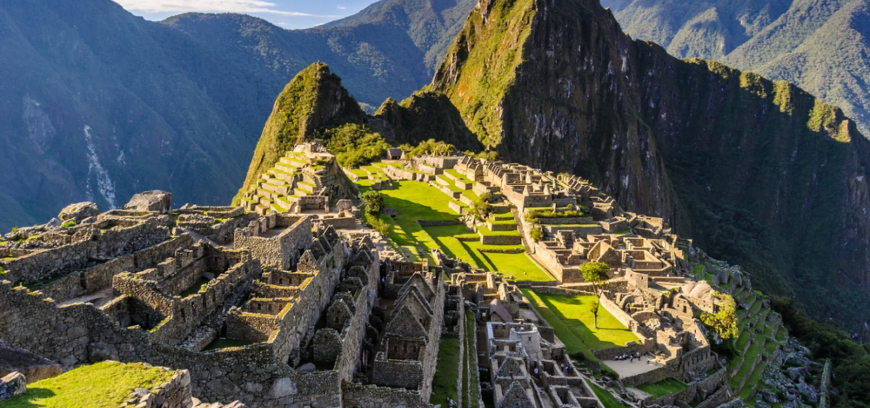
(99, 104)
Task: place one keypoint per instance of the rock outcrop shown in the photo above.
(159, 201)
(79, 211)
(33, 367)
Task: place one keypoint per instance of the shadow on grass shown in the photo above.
(32, 399)
(580, 328)
(486, 265)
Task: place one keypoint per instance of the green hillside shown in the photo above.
(820, 45)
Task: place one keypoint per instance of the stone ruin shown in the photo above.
(278, 309)
(300, 182)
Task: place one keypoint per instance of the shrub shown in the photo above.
(354, 145)
(537, 234)
(432, 147)
(374, 202)
(481, 208)
(68, 224)
(723, 322)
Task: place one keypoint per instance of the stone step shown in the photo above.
(275, 188)
(286, 167)
(282, 175)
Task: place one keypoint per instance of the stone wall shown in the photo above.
(372, 396)
(341, 222)
(501, 239)
(256, 374)
(282, 250)
(175, 393)
(103, 244)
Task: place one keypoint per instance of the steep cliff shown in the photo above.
(423, 116)
(312, 101)
(759, 173)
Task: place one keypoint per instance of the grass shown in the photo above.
(486, 231)
(662, 388)
(572, 320)
(106, 384)
(607, 399)
(414, 201)
(513, 266)
(446, 373)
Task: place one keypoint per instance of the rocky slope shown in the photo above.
(758, 172)
(99, 104)
(821, 45)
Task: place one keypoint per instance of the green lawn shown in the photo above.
(662, 388)
(106, 384)
(606, 398)
(419, 201)
(572, 320)
(485, 231)
(513, 266)
(446, 372)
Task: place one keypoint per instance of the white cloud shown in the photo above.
(215, 6)
(340, 7)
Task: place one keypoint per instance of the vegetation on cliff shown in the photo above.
(759, 173)
(311, 105)
(820, 45)
(422, 116)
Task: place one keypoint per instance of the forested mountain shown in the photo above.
(99, 104)
(820, 45)
(759, 173)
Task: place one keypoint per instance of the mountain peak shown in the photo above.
(558, 85)
(314, 99)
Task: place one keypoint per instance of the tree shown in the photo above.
(537, 234)
(595, 273)
(481, 207)
(374, 202)
(723, 322)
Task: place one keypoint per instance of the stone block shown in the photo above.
(155, 200)
(12, 384)
(79, 211)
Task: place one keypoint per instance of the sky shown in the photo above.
(289, 14)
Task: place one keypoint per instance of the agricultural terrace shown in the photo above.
(572, 320)
(414, 201)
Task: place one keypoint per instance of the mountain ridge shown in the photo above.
(658, 134)
(821, 45)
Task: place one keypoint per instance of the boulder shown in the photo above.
(54, 223)
(307, 368)
(33, 367)
(79, 211)
(12, 384)
(155, 200)
(808, 391)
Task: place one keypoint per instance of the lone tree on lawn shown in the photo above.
(595, 273)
